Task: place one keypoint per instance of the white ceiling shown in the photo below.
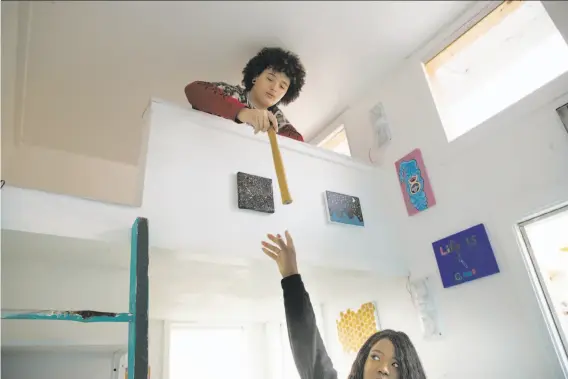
(112, 56)
(48, 272)
(38, 272)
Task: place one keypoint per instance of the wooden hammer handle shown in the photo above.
(279, 167)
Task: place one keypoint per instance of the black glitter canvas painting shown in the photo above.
(344, 209)
(255, 193)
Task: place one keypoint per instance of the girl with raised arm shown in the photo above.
(386, 354)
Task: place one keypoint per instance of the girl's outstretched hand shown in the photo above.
(282, 252)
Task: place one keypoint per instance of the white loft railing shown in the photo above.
(190, 194)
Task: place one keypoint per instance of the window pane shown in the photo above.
(289, 370)
(549, 246)
(208, 353)
(337, 141)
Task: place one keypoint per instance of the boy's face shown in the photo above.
(269, 88)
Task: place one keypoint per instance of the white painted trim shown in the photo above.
(326, 131)
(166, 350)
(454, 29)
(227, 126)
(115, 369)
(332, 135)
(543, 213)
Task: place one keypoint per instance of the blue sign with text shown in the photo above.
(465, 256)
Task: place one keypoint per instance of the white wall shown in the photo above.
(56, 365)
(508, 168)
(51, 358)
(77, 276)
(190, 198)
(192, 183)
(55, 167)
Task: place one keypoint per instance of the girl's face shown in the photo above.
(382, 362)
(269, 88)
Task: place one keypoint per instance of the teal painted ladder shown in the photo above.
(137, 316)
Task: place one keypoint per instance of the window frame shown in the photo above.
(451, 32)
(467, 34)
(558, 338)
(170, 325)
(271, 327)
(455, 29)
(278, 326)
(328, 143)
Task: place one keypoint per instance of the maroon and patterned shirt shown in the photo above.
(225, 100)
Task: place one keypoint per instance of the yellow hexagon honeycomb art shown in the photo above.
(355, 327)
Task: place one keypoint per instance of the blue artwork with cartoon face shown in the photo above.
(410, 175)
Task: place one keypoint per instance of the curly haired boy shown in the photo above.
(274, 76)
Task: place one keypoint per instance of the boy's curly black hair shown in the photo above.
(279, 60)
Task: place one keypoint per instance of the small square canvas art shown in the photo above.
(414, 183)
(465, 256)
(255, 193)
(343, 209)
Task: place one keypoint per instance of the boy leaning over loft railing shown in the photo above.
(274, 76)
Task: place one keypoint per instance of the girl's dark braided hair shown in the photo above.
(410, 366)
